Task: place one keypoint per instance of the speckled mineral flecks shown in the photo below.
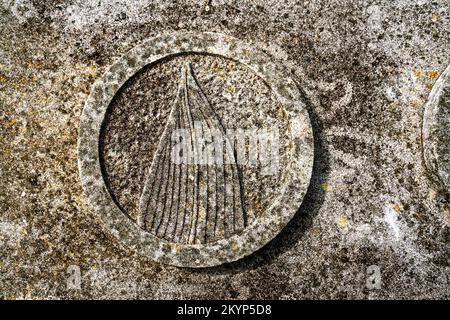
(436, 130)
(285, 196)
(367, 68)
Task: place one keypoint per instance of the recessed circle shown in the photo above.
(195, 149)
(436, 128)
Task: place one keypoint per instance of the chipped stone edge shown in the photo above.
(270, 222)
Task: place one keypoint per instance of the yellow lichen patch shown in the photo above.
(175, 247)
(245, 52)
(432, 74)
(429, 86)
(10, 123)
(69, 134)
(290, 146)
(221, 75)
(22, 230)
(7, 152)
(230, 67)
(393, 104)
(35, 64)
(216, 67)
(415, 104)
(234, 246)
(78, 200)
(304, 133)
(342, 221)
(282, 114)
(230, 88)
(435, 17)
(326, 187)
(397, 207)
(315, 230)
(90, 70)
(416, 73)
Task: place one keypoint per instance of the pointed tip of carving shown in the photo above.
(186, 73)
(186, 70)
(188, 66)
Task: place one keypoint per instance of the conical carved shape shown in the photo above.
(192, 195)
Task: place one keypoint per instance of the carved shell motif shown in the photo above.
(193, 201)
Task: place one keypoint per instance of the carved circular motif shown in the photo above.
(436, 128)
(195, 149)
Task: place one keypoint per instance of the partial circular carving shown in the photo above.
(436, 129)
(195, 149)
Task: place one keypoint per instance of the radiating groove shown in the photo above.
(162, 204)
(181, 170)
(192, 202)
(174, 177)
(188, 204)
(189, 208)
(153, 176)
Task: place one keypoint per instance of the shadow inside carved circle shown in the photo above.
(303, 218)
(188, 204)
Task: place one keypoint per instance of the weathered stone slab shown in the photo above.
(195, 212)
(374, 222)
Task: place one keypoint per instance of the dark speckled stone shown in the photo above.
(373, 207)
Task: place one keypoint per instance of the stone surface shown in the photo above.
(367, 67)
(436, 128)
(203, 195)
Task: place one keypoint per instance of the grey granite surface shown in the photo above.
(373, 224)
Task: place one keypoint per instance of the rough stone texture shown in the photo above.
(436, 128)
(368, 68)
(293, 178)
(138, 116)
